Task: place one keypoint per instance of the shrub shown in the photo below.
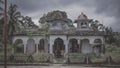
(76, 57)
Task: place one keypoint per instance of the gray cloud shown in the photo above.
(34, 5)
(110, 8)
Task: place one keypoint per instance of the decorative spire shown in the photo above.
(82, 16)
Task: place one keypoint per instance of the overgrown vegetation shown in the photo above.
(17, 23)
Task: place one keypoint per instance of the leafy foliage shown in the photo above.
(76, 58)
(98, 58)
(96, 25)
(13, 15)
(114, 52)
(116, 39)
(1, 8)
(16, 22)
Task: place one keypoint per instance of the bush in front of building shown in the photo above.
(114, 53)
(97, 59)
(113, 46)
(76, 58)
(20, 58)
(41, 57)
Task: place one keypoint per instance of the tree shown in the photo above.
(29, 22)
(17, 21)
(13, 15)
(1, 32)
(1, 23)
(1, 9)
(94, 25)
(97, 26)
(109, 38)
(26, 22)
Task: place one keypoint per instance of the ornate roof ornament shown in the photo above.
(57, 15)
(82, 16)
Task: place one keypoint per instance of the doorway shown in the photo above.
(58, 48)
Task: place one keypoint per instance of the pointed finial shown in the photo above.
(82, 13)
(82, 16)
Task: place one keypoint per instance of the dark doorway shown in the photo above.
(74, 47)
(58, 48)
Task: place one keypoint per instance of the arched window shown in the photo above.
(41, 45)
(18, 46)
(84, 24)
(58, 47)
(74, 47)
(86, 47)
(30, 46)
(97, 46)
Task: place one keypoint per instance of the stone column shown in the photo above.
(37, 43)
(66, 46)
(92, 44)
(25, 47)
(46, 46)
(51, 47)
(78, 45)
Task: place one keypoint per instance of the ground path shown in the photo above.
(55, 66)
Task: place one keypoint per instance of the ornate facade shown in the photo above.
(58, 36)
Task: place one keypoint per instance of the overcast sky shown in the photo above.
(106, 11)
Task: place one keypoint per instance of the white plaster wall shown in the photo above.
(90, 38)
(25, 38)
(53, 37)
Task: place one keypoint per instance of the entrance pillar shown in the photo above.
(25, 46)
(79, 41)
(51, 47)
(66, 47)
(36, 46)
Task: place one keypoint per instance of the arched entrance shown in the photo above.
(97, 46)
(30, 46)
(86, 48)
(41, 46)
(58, 48)
(19, 46)
(73, 45)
